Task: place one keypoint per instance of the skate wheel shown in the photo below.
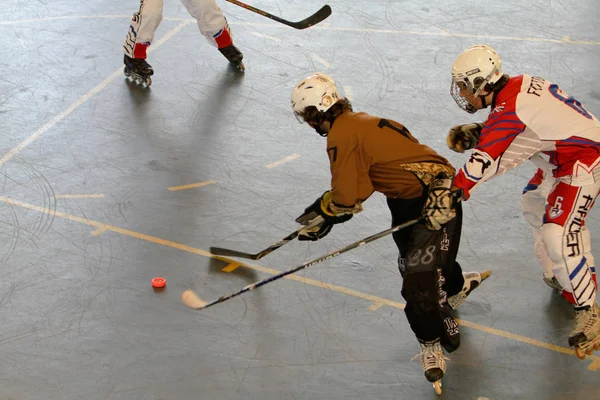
(148, 81)
(580, 353)
(437, 386)
(589, 351)
(597, 346)
(159, 282)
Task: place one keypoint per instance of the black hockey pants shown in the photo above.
(427, 262)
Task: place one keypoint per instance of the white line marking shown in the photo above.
(32, 20)
(322, 61)
(288, 158)
(59, 117)
(262, 35)
(348, 92)
(324, 26)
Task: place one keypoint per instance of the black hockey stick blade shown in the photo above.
(314, 19)
(219, 251)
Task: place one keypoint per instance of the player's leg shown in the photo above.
(458, 284)
(139, 37)
(533, 206)
(213, 25)
(568, 246)
(422, 288)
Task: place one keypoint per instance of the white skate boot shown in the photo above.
(553, 283)
(585, 337)
(433, 362)
(472, 281)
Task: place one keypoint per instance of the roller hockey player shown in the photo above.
(145, 21)
(532, 118)
(367, 154)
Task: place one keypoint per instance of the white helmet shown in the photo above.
(474, 68)
(316, 90)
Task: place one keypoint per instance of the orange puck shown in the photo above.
(159, 282)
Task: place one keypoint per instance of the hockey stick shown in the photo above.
(191, 299)
(219, 251)
(317, 17)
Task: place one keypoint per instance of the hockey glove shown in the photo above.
(440, 204)
(320, 207)
(464, 137)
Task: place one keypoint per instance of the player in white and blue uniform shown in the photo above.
(533, 119)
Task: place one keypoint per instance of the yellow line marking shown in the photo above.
(99, 231)
(325, 26)
(283, 161)
(595, 360)
(79, 196)
(375, 306)
(77, 103)
(191, 185)
(231, 267)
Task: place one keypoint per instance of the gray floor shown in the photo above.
(79, 319)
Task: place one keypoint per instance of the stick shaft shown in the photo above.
(219, 251)
(313, 262)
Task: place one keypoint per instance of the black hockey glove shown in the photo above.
(320, 207)
(441, 201)
(464, 137)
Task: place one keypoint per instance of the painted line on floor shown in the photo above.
(77, 103)
(98, 231)
(67, 17)
(325, 26)
(262, 35)
(376, 306)
(191, 186)
(283, 161)
(231, 267)
(79, 196)
(320, 60)
(379, 301)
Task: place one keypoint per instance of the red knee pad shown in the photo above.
(139, 51)
(223, 38)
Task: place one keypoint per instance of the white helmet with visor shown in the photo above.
(474, 68)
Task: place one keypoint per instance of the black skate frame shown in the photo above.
(314, 19)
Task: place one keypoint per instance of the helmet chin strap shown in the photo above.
(483, 102)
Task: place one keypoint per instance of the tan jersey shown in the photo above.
(368, 153)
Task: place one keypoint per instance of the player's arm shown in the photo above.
(340, 203)
(464, 137)
(503, 145)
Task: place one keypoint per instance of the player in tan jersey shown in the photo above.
(368, 154)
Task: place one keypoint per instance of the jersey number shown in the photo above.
(384, 123)
(570, 101)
